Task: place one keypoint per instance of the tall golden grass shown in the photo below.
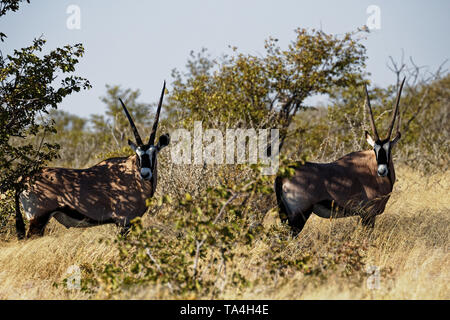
(410, 245)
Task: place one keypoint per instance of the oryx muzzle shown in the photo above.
(113, 191)
(359, 183)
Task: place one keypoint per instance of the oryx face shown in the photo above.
(147, 155)
(382, 148)
(382, 153)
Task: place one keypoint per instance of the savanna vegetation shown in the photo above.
(213, 231)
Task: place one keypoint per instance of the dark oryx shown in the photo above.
(113, 191)
(359, 183)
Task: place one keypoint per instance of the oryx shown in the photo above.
(359, 183)
(113, 191)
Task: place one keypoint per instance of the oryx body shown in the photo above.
(113, 191)
(346, 187)
(359, 183)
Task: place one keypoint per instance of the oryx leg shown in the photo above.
(329, 209)
(38, 217)
(292, 207)
(20, 225)
(124, 224)
(38, 224)
(298, 221)
(368, 221)
(124, 230)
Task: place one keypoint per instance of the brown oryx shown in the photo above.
(113, 191)
(359, 183)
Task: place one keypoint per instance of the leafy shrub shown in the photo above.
(197, 242)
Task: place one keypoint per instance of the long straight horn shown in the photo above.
(151, 140)
(398, 122)
(372, 121)
(135, 130)
(399, 93)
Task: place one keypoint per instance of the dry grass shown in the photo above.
(411, 238)
(29, 269)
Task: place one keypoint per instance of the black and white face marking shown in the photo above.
(382, 149)
(146, 155)
(382, 153)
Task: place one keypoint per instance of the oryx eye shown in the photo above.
(386, 149)
(140, 152)
(150, 150)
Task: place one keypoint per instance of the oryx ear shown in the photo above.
(369, 139)
(395, 140)
(163, 141)
(132, 145)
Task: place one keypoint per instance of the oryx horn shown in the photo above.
(151, 140)
(372, 121)
(399, 93)
(135, 130)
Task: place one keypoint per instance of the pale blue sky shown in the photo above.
(137, 43)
